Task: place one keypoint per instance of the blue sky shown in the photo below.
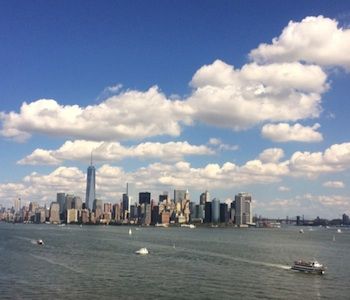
(178, 94)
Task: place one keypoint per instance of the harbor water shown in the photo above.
(99, 262)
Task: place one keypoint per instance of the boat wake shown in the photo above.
(50, 261)
(242, 260)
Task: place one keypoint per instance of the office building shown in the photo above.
(72, 215)
(131, 192)
(179, 195)
(204, 197)
(224, 213)
(90, 186)
(69, 202)
(215, 210)
(77, 203)
(125, 206)
(243, 209)
(54, 213)
(207, 213)
(144, 197)
(60, 199)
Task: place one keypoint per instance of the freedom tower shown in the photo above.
(90, 186)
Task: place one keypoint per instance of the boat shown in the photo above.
(308, 266)
(142, 251)
(130, 232)
(301, 231)
(339, 230)
(40, 242)
(188, 225)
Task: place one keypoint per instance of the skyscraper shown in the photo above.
(131, 192)
(204, 197)
(90, 186)
(243, 213)
(144, 197)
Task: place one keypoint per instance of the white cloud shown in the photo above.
(222, 96)
(221, 146)
(214, 141)
(283, 132)
(129, 115)
(162, 175)
(155, 177)
(334, 184)
(238, 99)
(316, 40)
(283, 188)
(271, 155)
(113, 151)
(334, 159)
(326, 206)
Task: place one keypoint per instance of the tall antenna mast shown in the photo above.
(91, 158)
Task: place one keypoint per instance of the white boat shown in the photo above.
(130, 232)
(142, 251)
(339, 230)
(40, 242)
(188, 225)
(308, 266)
(301, 231)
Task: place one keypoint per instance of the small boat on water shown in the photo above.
(142, 251)
(339, 230)
(130, 232)
(301, 231)
(40, 242)
(308, 266)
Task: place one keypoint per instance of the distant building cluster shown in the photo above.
(134, 208)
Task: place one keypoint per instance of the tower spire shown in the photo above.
(91, 159)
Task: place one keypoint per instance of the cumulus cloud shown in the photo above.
(283, 132)
(222, 96)
(316, 40)
(222, 146)
(113, 151)
(240, 98)
(158, 176)
(334, 184)
(326, 206)
(268, 168)
(271, 155)
(129, 115)
(334, 159)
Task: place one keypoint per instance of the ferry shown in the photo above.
(142, 251)
(308, 266)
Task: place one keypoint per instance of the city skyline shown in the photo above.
(215, 96)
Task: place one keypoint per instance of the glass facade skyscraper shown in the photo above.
(90, 187)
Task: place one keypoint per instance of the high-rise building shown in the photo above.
(207, 213)
(77, 203)
(54, 213)
(145, 197)
(72, 215)
(125, 206)
(60, 199)
(215, 210)
(69, 202)
(179, 195)
(224, 213)
(204, 197)
(90, 186)
(131, 192)
(17, 204)
(243, 212)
